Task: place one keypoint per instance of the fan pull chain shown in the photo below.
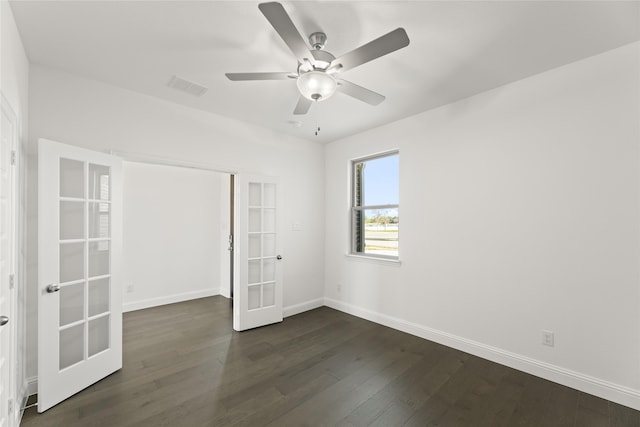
(317, 114)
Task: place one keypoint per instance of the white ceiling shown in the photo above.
(457, 49)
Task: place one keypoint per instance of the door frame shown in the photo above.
(234, 199)
(16, 381)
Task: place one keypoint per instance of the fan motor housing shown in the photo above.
(322, 59)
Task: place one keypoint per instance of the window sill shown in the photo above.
(374, 259)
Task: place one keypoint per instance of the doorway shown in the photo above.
(176, 234)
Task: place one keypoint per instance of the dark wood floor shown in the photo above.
(185, 366)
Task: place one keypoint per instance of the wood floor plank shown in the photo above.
(405, 394)
(622, 416)
(185, 366)
(288, 402)
(337, 401)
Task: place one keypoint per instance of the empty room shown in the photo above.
(320, 213)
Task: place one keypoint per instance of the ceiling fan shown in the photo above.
(317, 72)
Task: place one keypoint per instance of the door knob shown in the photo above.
(4, 320)
(279, 257)
(53, 288)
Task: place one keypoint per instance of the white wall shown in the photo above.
(14, 84)
(83, 112)
(519, 211)
(14, 66)
(171, 234)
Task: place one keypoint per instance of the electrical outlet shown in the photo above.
(547, 338)
(130, 289)
(339, 287)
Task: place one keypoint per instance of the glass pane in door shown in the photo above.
(71, 178)
(71, 303)
(254, 297)
(99, 296)
(255, 221)
(71, 220)
(255, 194)
(268, 294)
(254, 245)
(268, 270)
(269, 244)
(99, 221)
(269, 221)
(71, 345)
(99, 185)
(254, 271)
(98, 258)
(71, 261)
(269, 195)
(98, 335)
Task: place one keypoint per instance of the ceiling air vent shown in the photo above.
(186, 86)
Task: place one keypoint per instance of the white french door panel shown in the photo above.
(79, 269)
(258, 276)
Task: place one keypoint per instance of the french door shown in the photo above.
(258, 284)
(79, 269)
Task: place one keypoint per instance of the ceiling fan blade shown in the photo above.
(260, 76)
(390, 42)
(360, 93)
(303, 105)
(281, 22)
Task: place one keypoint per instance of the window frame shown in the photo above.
(354, 208)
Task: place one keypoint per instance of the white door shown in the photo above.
(258, 283)
(79, 269)
(7, 323)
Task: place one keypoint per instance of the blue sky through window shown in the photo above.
(381, 177)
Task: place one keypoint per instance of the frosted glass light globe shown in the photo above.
(317, 85)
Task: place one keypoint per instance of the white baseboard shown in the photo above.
(32, 386)
(168, 299)
(601, 388)
(302, 307)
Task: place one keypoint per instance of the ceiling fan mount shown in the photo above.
(317, 73)
(317, 40)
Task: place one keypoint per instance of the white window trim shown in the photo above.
(361, 256)
(377, 259)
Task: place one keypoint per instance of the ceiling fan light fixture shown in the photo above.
(317, 85)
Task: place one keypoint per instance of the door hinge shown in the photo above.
(10, 408)
(13, 157)
(11, 281)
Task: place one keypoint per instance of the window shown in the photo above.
(375, 206)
